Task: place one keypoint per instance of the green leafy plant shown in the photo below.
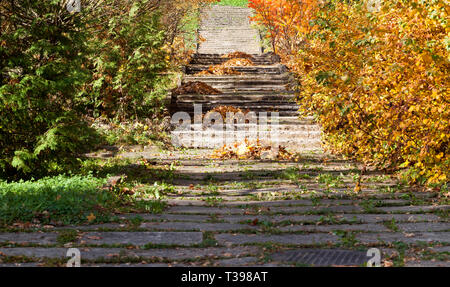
(42, 68)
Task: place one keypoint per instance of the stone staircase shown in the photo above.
(227, 29)
(266, 87)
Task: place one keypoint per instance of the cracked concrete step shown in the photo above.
(248, 85)
(257, 107)
(251, 88)
(247, 70)
(294, 239)
(164, 226)
(272, 203)
(228, 30)
(252, 78)
(236, 128)
(273, 135)
(219, 60)
(208, 59)
(226, 20)
(303, 209)
(283, 109)
(110, 238)
(265, 106)
(102, 254)
(142, 238)
(189, 109)
(297, 219)
(281, 120)
(235, 101)
(281, 136)
(214, 143)
(370, 227)
(412, 238)
(239, 97)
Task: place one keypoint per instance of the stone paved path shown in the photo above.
(227, 29)
(251, 213)
(245, 213)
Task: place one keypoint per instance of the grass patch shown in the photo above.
(67, 236)
(237, 3)
(66, 200)
(60, 198)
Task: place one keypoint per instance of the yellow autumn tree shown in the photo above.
(378, 82)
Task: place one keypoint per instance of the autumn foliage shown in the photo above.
(378, 80)
(285, 20)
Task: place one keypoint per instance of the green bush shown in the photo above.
(42, 68)
(126, 57)
(59, 67)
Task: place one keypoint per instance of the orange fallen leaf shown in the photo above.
(388, 263)
(94, 237)
(91, 217)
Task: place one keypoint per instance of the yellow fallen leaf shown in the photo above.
(91, 217)
(357, 187)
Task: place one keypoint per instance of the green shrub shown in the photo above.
(126, 57)
(42, 68)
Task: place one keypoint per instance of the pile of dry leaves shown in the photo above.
(238, 62)
(223, 110)
(249, 150)
(236, 59)
(196, 87)
(238, 55)
(218, 70)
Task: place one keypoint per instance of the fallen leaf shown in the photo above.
(388, 263)
(94, 237)
(91, 217)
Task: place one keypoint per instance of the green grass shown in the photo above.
(239, 3)
(60, 198)
(66, 200)
(66, 236)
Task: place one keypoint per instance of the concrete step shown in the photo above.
(238, 83)
(213, 143)
(256, 57)
(267, 70)
(226, 40)
(256, 106)
(276, 98)
(282, 113)
(190, 111)
(251, 88)
(251, 127)
(281, 135)
(270, 105)
(218, 61)
(233, 78)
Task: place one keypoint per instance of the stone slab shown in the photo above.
(236, 262)
(330, 228)
(427, 263)
(93, 254)
(424, 226)
(29, 238)
(197, 226)
(413, 238)
(142, 238)
(294, 239)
